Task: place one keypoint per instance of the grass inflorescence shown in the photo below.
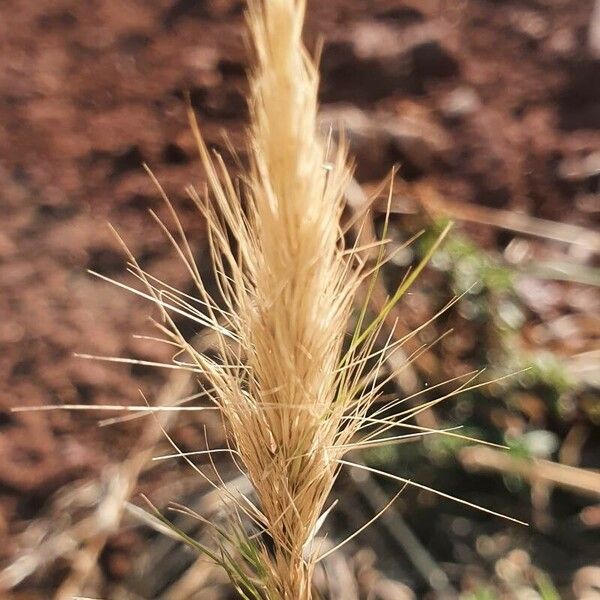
(295, 392)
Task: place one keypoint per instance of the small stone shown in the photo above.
(594, 31)
(580, 168)
(562, 42)
(460, 103)
(530, 23)
(541, 443)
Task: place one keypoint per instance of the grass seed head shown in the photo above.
(293, 390)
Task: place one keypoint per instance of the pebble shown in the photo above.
(460, 103)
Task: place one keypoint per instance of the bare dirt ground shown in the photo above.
(484, 102)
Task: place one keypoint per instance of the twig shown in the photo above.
(579, 480)
(505, 219)
(424, 563)
(123, 482)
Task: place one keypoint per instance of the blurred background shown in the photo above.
(491, 110)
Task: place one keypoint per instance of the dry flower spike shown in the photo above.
(296, 394)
